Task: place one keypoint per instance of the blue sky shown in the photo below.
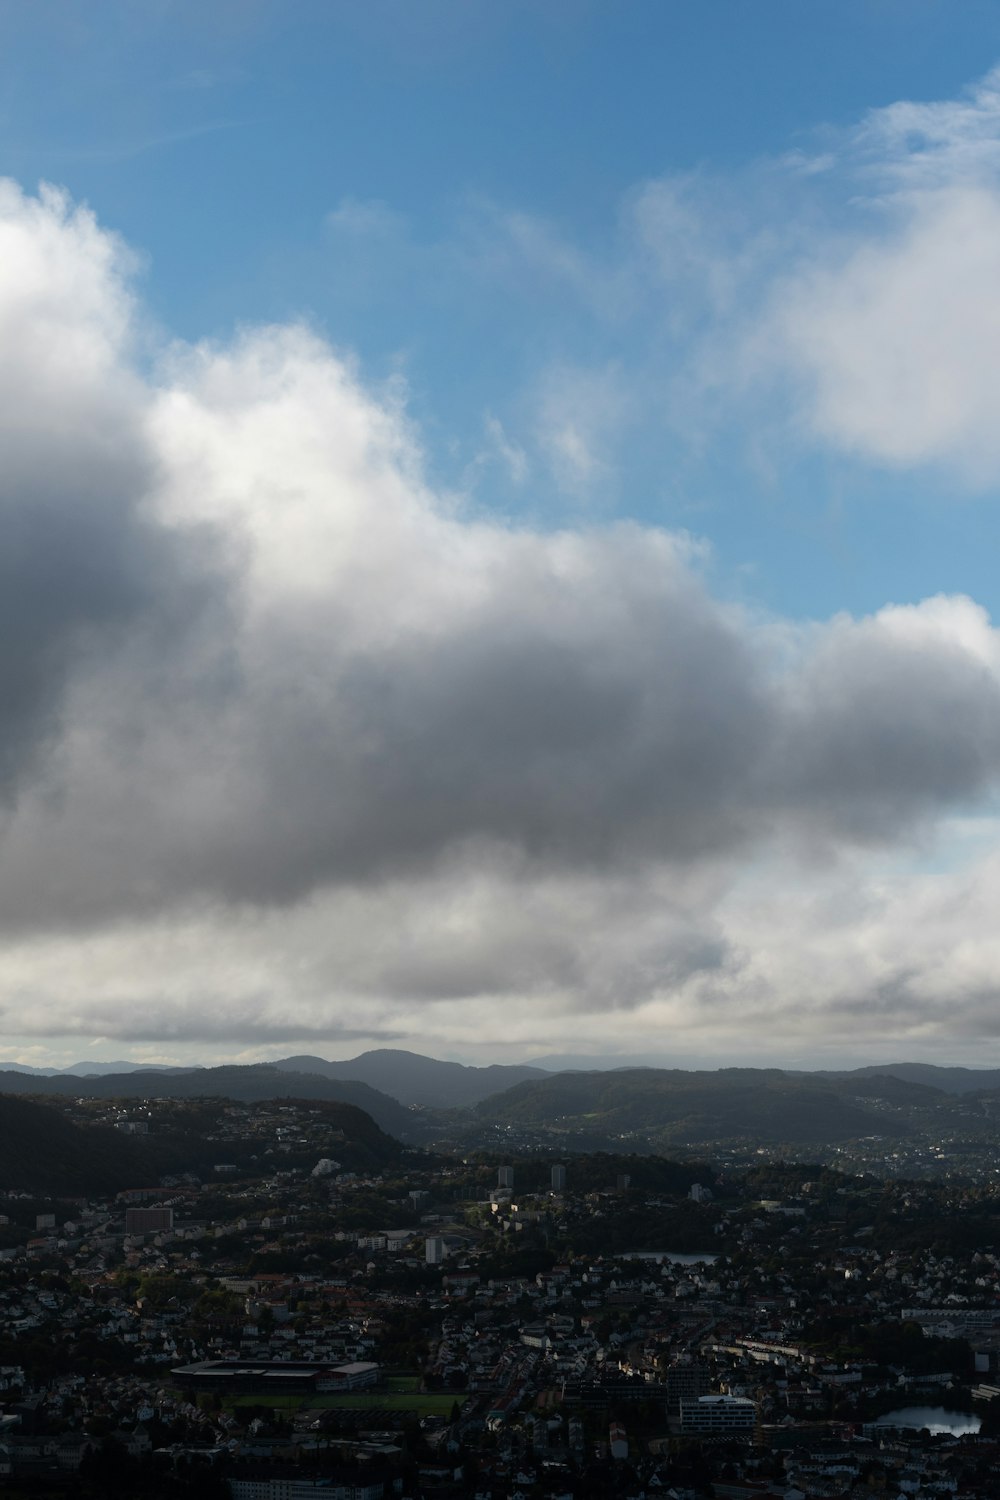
(441, 188)
(556, 365)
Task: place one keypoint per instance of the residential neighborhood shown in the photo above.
(498, 1328)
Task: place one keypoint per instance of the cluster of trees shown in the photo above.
(903, 1344)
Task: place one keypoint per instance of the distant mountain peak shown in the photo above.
(417, 1080)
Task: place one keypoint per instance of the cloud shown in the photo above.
(891, 957)
(581, 414)
(897, 340)
(296, 747)
(893, 714)
(83, 564)
(510, 454)
(523, 251)
(932, 144)
(867, 299)
(365, 218)
(127, 148)
(846, 294)
(841, 296)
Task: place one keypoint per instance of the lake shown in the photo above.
(937, 1419)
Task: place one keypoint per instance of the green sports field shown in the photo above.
(421, 1403)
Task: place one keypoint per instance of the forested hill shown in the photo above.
(44, 1151)
(256, 1082)
(950, 1080)
(670, 1105)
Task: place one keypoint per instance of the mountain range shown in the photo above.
(419, 1098)
(94, 1069)
(950, 1080)
(414, 1079)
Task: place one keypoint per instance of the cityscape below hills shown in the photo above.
(281, 1267)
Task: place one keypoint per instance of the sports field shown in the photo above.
(399, 1393)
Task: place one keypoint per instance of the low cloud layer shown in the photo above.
(292, 746)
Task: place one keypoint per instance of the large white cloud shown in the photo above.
(883, 318)
(899, 338)
(294, 746)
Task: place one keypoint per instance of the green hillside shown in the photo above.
(44, 1151)
(670, 1105)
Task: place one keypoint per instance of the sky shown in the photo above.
(499, 530)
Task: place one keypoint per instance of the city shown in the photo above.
(603, 1324)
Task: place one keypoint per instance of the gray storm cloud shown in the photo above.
(81, 563)
(247, 654)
